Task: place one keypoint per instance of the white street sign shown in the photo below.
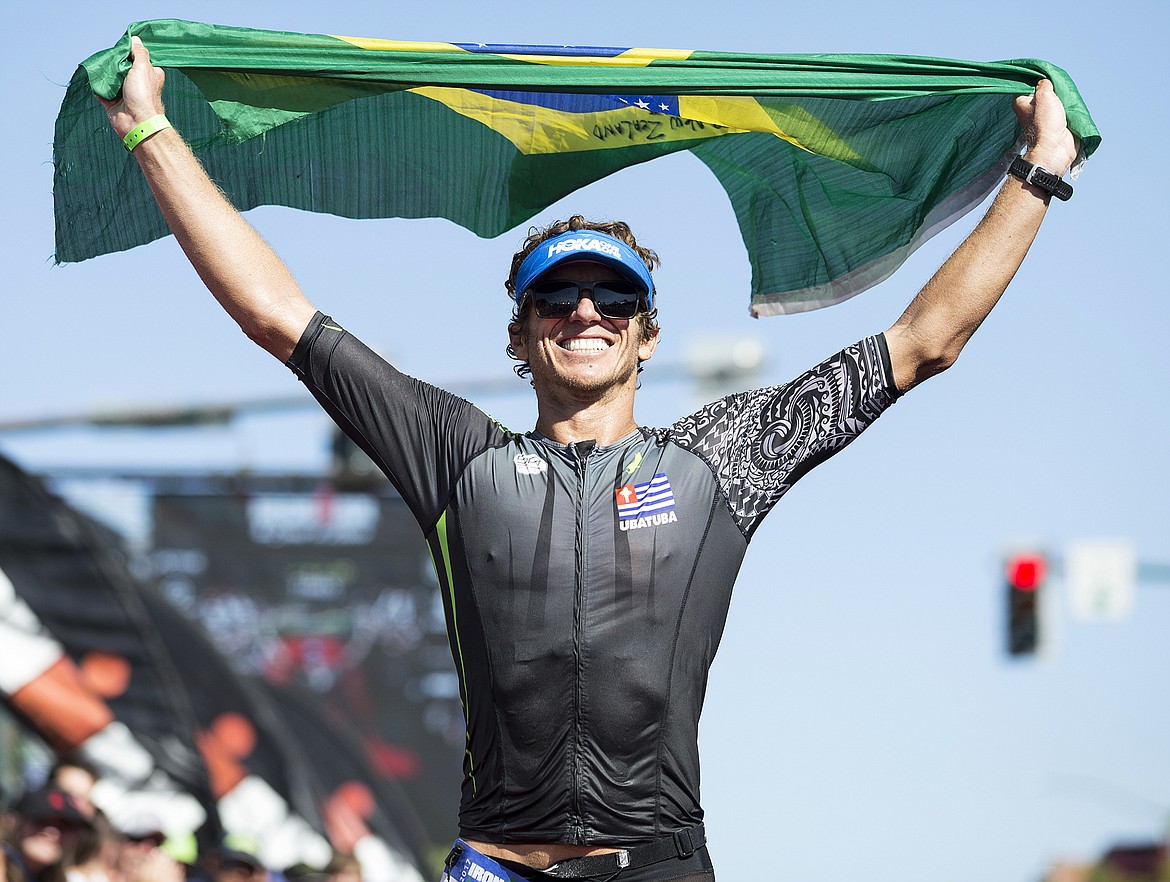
(1100, 575)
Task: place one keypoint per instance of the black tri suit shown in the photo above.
(586, 587)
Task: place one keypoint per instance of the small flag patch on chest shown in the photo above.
(646, 498)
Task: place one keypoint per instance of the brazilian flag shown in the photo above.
(837, 166)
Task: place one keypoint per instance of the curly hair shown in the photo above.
(618, 230)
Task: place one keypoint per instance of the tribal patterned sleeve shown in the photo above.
(759, 443)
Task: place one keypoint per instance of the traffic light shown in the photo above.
(1025, 573)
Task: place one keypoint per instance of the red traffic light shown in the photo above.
(1026, 571)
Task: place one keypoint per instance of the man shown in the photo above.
(77, 777)
(585, 567)
(232, 865)
(51, 825)
(139, 844)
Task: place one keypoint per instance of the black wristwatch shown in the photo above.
(1040, 177)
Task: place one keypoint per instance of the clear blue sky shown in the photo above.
(861, 719)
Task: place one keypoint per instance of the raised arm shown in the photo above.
(238, 267)
(942, 317)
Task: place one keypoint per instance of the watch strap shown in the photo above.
(1040, 177)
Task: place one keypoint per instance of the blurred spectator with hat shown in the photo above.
(226, 864)
(76, 777)
(49, 825)
(140, 854)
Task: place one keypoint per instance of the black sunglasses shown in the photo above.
(614, 299)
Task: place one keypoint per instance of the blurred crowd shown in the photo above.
(56, 834)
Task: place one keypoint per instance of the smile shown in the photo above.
(584, 344)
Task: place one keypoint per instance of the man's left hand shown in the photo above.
(1050, 144)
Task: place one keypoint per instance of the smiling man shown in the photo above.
(584, 322)
(586, 567)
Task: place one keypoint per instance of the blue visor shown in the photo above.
(584, 245)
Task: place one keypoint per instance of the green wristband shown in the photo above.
(144, 130)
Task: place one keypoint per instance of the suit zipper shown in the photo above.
(581, 451)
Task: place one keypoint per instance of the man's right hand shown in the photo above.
(141, 95)
(237, 266)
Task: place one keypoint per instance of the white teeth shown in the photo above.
(584, 344)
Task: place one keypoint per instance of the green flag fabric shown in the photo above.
(837, 166)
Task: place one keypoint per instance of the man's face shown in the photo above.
(43, 842)
(77, 782)
(584, 354)
(135, 851)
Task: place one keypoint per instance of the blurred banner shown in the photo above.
(79, 662)
(333, 592)
(99, 664)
